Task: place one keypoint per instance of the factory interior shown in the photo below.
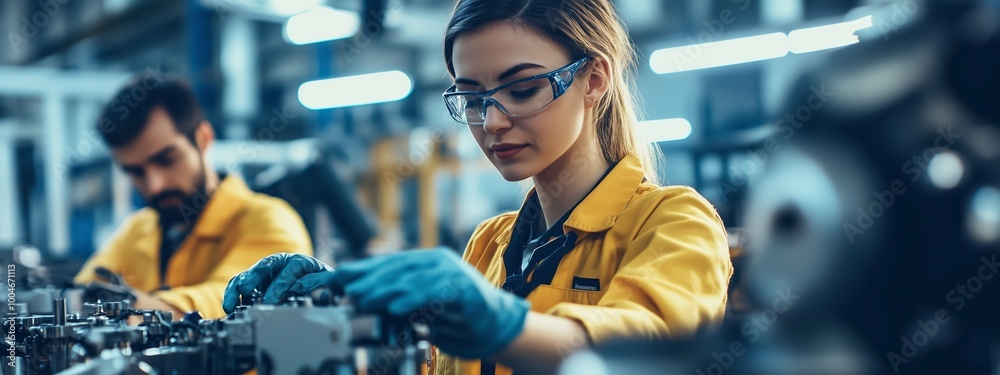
(300, 186)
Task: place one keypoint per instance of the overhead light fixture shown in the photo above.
(672, 129)
(355, 90)
(290, 7)
(261, 10)
(321, 24)
(715, 54)
(826, 37)
(756, 48)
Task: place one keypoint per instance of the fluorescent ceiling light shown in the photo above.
(756, 48)
(321, 24)
(714, 54)
(290, 7)
(356, 90)
(826, 37)
(265, 10)
(673, 129)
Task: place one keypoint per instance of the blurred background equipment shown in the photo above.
(853, 143)
(871, 236)
(319, 185)
(363, 97)
(95, 340)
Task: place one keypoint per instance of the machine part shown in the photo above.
(788, 349)
(324, 296)
(59, 308)
(91, 337)
(115, 364)
(247, 300)
(334, 334)
(93, 309)
(20, 309)
(99, 339)
(863, 218)
(315, 330)
(299, 301)
(39, 300)
(176, 360)
(800, 202)
(157, 332)
(51, 332)
(193, 317)
(115, 308)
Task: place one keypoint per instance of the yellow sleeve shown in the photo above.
(672, 280)
(111, 255)
(274, 230)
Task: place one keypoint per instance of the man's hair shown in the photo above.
(125, 116)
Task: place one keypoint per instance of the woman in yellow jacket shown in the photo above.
(597, 251)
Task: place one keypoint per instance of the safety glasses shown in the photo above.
(519, 98)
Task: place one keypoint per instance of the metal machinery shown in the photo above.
(874, 227)
(297, 337)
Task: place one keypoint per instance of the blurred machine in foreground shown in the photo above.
(294, 338)
(305, 335)
(873, 232)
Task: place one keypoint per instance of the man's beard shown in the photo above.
(188, 210)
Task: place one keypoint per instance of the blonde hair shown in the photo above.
(584, 28)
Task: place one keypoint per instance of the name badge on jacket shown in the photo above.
(580, 283)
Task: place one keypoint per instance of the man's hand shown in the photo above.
(102, 291)
(145, 301)
(116, 289)
(275, 276)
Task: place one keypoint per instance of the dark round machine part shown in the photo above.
(251, 299)
(115, 308)
(59, 311)
(48, 332)
(113, 337)
(299, 301)
(324, 296)
(154, 316)
(795, 212)
(29, 321)
(99, 320)
(193, 317)
(93, 309)
(851, 215)
(156, 329)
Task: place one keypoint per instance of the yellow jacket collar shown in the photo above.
(229, 199)
(600, 209)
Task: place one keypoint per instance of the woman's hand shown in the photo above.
(276, 275)
(468, 317)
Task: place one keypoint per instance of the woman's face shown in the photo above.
(524, 146)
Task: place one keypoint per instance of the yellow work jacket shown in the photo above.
(659, 256)
(236, 229)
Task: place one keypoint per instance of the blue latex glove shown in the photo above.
(468, 316)
(277, 275)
